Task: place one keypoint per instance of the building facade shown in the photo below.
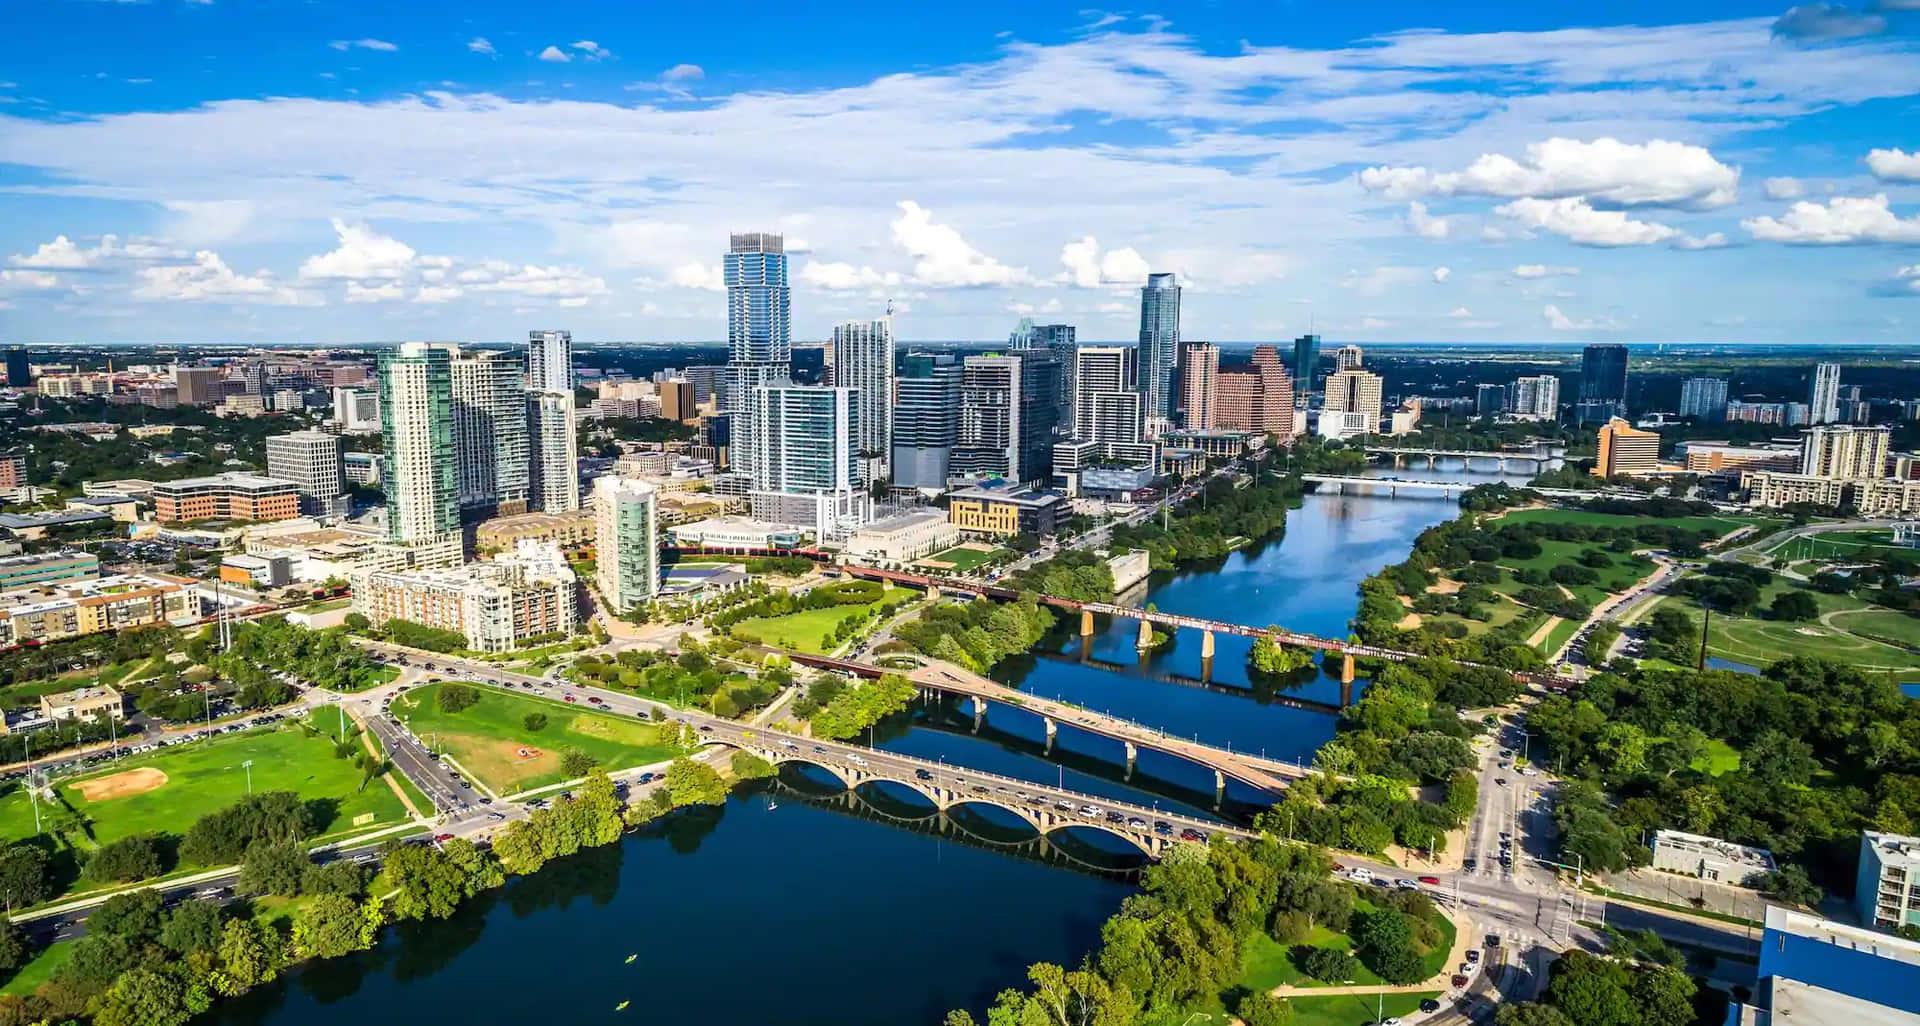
(1704, 399)
(356, 410)
(198, 386)
(497, 604)
(1844, 451)
(863, 359)
(1886, 892)
(493, 462)
(550, 361)
(234, 496)
(1626, 451)
(759, 332)
(312, 461)
(1352, 404)
(554, 476)
(1004, 512)
(1306, 363)
(926, 416)
(806, 439)
(1534, 398)
(1109, 408)
(1159, 349)
(903, 538)
(1258, 398)
(1603, 374)
(1823, 393)
(1199, 385)
(1006, 424)
(419, 472)
(626, 515)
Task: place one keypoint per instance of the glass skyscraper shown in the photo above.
(1306, 362)
(416, 420)
(926, 415)
(759, 335)
(1603, 374)
(1159, 347)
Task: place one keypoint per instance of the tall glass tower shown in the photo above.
(759, 333)
(1306, 362)
(419, 468)
(1159, 348)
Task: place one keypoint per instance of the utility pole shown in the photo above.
(1705, 622)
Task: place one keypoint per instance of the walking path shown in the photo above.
(1465, 935)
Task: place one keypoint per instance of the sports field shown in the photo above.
(810, 630)
(961, 558)
(490, 738)
(167, 790)
(1722, 524)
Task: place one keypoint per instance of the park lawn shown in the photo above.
(1356, 1009)
(962, 559)
(39, 970)
(1624, 573)
(207, 776)
(1762, 642)
(1269, 963)
(1721, 757)
(809, 630)
(1723, 524)
(490, 737)
(1558, 635)
(1837, 545)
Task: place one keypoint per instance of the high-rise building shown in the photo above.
(1006, 420)
(1603, 374)
(199, 386)
(19, 370)
(418, 472)
(626, 520)
(1626, 451)
(1057, 339)
(1844, 451)
(677, 401)
(492, 453)
(1346, 358)
(1159, 348)
(1108, 408)
(550, 361)
(709, 383)
(926, 413)
(1704, 399)
(759, 334)
(806, 439)
(1824, 397)
(1199, 385)
(1535, 398)
(1352, 405)
(1490, 400)
(554, 471)
(356, 410)
(312, 461)
(863, 360)
(1306, 363)
(1256, 398)
(812, 364)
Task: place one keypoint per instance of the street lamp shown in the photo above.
(248, 766)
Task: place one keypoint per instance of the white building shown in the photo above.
(1535, 398)
(626, 518)
(863, 353)
(555, 470)
(312, 461)
(1843, 451)
(1352, 404)
(498, 603)
(903, 538)
(490, 433)
(550, 361)
(356, 411)
(1823, 402)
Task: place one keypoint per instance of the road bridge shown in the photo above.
(1477, 460)
(1393, 486)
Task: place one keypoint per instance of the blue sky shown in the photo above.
(172, 170)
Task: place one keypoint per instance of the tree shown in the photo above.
(453, 698)
(694, 783)
(193, 925)
(334, 878)
(575, 763)
(15, 948)
(1263, 1009)
(1592, 991)
(147, 997)
(222, 838)
(24, 878)
(1327, 965)
(1274, 659)
(332, 926)
(1664, 995)
(426, 882)
(125, 860)
(534, 721)
(1529, 1013)
(133, 915)
(748, 766)
(1792, 884)
(1794, 605)
(1385, 940)
(249, 956)
(274, 867)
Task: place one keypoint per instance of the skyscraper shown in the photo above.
(1825, 396)
(1159, 348)
(1058, 339)
(1603, 374)
(312, 461)
(19, 370)
(1844, 452)
(863, 360)
(550, 361)
(416, 420)
(626, 529)
(806, 438)
(1199, 384)
(1306, 363)
(1347, 358)
(676, 400)
(926, 413)
(759, 335)
(1108, 405)
(1006, 420)
(1626, 451)
(1256, 398)
(1704, 399)
(491, 450)
(1352, 405)
(1535, 398)
(554, 473)
(198, 386)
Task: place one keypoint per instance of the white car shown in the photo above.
(1360, 874)
(856, 760)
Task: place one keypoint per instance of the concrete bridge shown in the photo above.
(1393, 486)
(1477, 461)
(1046, 809)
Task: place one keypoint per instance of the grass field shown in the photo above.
(40, 969)
(962, 559)
(1721, 758)
(1624, 572)
(1762, 642)
(167, 791)
(1838, 545)
(1724, 525)
(1355, 1009)
(806, 631)
(491, 740)
(1559, 634)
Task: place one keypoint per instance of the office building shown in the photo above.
(709, 383)
(1306, 363)
(805, 439)
(1006, 416)
(1823, 400)
(1886, 891)
(1006, 510)
(1489, 400)
(678, 401)
(1714, 457)
(1704, 399)
(40, 568)
(1257, 398)
(198, 386)
(13, 471)
(356, 410)
(926, 416)
(1352, 404)
(1818, 972)
(1199, 385)
(419, 472)
(361, 467)
(1603, 374)
(626, 515)
(490, 436)
(311, 460)
(1108, 408)
(234, 496)
(1346, 358)
(550, 361)
(904, 537)
(1159, 349)
(1626, 451)
(1710, 858)
(554, 471)
(19, 370)
(1534, 398)
(1844, 452)
(863, 361)
(84, 704)
(498, 604)
(1058, 339)
(759, 334)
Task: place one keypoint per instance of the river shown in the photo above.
(782, 908)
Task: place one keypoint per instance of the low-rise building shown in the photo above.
(131, 487)
(24, 571)
(123, 508)
(1216, 444)
(257, 571)
(231, 496)
(1886, 893)
(1886, 497)
(1766, 488)
(34, 526)
(84, 703)
(903, 538)
(1713, 457)
(1817, 971)
(736, 534)
(1003, 511)
(68, 609)
(361, 467)
(570, 530)
(1710, 858)
(497, 604)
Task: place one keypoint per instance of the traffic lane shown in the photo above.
(412, 759)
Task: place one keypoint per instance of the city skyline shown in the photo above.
(1440, 175)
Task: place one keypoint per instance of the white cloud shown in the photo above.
(696, 275)
(683, 73)
(1844, 219)
(362, 254)
(593, 50)
(1532, 271)
(438, 293)
(1424, 224)
(569, 286)
(1658, 173)
(1712, 240)
(382, 292)
(1894, 165)
(1783, 188)
(208, 221)
(1574, 218)
(555, 55)
(1559, 321)
(29, 280)
(62, 254)
(845, 277)
(943, 259)
(364, 44)
(1382, 280)
(1088, 268)
(480, 45)
(1029, 309)
(1460, 313)
(1441, 274)
(209, 279)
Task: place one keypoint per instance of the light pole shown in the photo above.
(248, 766)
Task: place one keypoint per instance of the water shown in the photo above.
(816, 913)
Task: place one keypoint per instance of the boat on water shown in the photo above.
(622, 1006)
(631, 957)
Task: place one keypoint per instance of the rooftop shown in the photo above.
(1894, 848)
(1840, 935)
(1713, 847)
(1792, 1003)
(231, 479)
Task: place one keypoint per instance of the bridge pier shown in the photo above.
(979, 712)
(1052, 729)
(1145, 642)
(1206, 645)
(1133, 755)
(1206, 669)
(1346, 693)
(1086, 623)
(1346, 669)
(1219, 789)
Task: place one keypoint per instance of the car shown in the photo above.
(1431, 881)
(977, 789)
(1114, 817)
(1473, 955)
(856, 760)
(921, 774)
(1458, 981)
(1089, 811)
(1493, 940)
(1502, 781)
(496, 816)
(816, 748)
(1361, 874)
(1467, 968)
(1429, 1005)
(1406, 885)
(595, 699)
(1137, 823)
(1190, 834)
(646, 778)
(570, 698)
(442, 838)
(484, 800)
(707, 728)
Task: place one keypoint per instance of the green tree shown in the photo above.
(1592, 991)
(453, 698)
(125, 860)
(250, 955)
(274, 867)
(24, 876)
(193, 925)
(427, 884)
(694, 783)
(1664, 995)
(1263, 1009)
(1327, 965)
(1529, 1013)
(1794, 605)
(134, 915)
(1792, 884)
(331, 926)
(16, 949)
(575, 763)
(534, 721)
(748, 766)
(146, 997)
